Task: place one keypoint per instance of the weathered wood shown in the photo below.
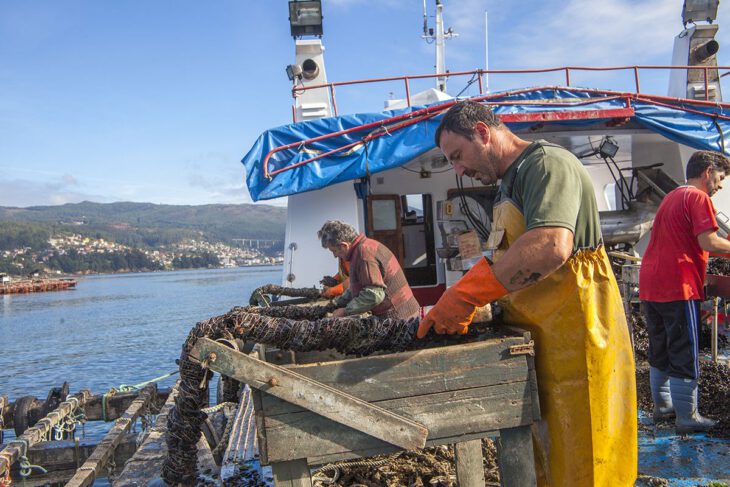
(533, 387)
(294, 473)
(64, 457)
(415, 373)
(516, 458)
(32, 436)
(98, 460)
(446, 415)
(469, 466)
(386, 449)
(115, 407)
(51, 478)
(260, 419)
(117, 404)
(257, 397)
(324, 400)
(206, 462)
(146, 463)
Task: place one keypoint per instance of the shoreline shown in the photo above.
(16, 278)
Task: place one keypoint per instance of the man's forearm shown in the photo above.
(533, 256)
(344, 298)
(712, 242)
(368, 298)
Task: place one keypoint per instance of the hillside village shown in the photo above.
(185, 254)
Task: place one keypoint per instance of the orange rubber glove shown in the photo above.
(456, 307)
(334, 291)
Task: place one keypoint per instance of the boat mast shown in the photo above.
(439, 37)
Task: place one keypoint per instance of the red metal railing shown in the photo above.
(480, 73)
(389, 125)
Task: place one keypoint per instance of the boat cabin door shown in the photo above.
(384, 222)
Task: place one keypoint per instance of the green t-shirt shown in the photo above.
(552, 189)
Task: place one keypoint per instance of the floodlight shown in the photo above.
(699, 10)
(294, 71)
(305, 18)
(608, 147)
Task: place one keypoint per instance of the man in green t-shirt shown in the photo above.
(552, 189)
(553, 278)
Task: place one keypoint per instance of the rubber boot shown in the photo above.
(684, 397)
(660, 395)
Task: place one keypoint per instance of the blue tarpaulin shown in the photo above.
(699, 130)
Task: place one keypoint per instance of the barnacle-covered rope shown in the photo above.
(287, 327)
(259, 295)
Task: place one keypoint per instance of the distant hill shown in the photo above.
(147, 224)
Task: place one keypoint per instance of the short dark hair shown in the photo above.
(461, 118)
(703, 159)
(334, 232)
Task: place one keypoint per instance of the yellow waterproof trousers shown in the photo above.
(585, 367)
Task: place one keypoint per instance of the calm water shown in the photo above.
(112, 329)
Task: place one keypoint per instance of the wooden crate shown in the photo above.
(461, 393)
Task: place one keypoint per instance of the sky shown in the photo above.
(158, 100)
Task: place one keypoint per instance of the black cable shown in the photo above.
(419, 172)
(615, 180)
(722, 136)
(623, 180)
(476, 224)
(468, 84)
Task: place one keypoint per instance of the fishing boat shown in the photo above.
(381, 172)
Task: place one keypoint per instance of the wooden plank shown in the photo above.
(64, 457)
(257, 397)
(516, 458)
(115, 407)
(450, 414)
(417, 372)
(98, 460)
(146, 463)
(536, 415)
(319, 398)
(469, 463)
(387, 448)
(294, 473)
(117, 404)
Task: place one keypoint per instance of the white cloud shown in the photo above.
(23, 192)
(590, 32)
(466, 17)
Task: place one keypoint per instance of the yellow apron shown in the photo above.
(585, 365)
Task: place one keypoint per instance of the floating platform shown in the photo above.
(37, 286)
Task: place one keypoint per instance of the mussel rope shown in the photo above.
(258, 296)
(287, 327)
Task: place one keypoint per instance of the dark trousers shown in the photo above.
(673, 337)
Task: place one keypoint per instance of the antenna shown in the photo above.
(486, 51)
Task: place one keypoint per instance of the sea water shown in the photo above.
(112, 329)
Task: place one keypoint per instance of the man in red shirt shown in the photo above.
(671, 287)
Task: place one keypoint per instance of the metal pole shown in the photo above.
(440, 54)
(486, 54)
(714, 331)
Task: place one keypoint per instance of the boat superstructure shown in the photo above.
(382, 172)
